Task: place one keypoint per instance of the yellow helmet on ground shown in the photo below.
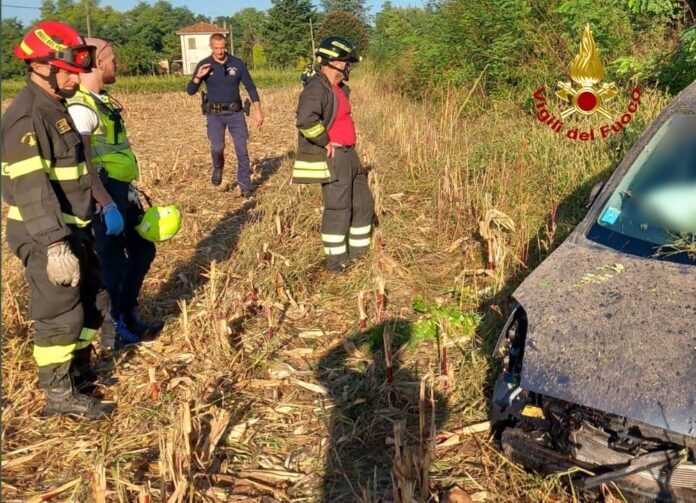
(160, 223)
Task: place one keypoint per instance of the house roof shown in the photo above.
(202, 27)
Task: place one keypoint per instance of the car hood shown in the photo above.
(613, 332)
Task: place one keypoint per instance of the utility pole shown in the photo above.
(89, 27)
(311, 34)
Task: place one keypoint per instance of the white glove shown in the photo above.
(63, 268)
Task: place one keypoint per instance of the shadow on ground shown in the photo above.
(369, 399)
(218, 246)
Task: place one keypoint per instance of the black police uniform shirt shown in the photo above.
(45, 178)
(223, 79)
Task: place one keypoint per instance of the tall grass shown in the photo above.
(170, 83)
(258, 329)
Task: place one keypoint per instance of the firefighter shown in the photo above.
(307, 74)
(125, 258)
(222, 106)
(326, 155)
(47, 186)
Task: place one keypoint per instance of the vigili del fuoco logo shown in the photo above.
(587, 98)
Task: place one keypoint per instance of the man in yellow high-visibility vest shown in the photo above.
(125, 258)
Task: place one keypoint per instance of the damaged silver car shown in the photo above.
(599, 356)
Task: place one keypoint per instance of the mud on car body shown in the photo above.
(599, 357)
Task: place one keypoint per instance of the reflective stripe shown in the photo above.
(335, 250)
(72, 219)
(315, 166)
(333, 238)
(51, 355)
(314, 170)
(359, 231)
(341, 46)
(313, 131)
(13, 213)
(87, 334)
(359, 243)
(328, 51)
(26, 49)
(17, 169)
(306, 173)
(5, 169)
(68, 173)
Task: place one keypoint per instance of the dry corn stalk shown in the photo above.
(381, 297)
(361, 309)
(99, 487)
(490, 228)
(154, 389)
(387, 339)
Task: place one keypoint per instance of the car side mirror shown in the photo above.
(595, 192)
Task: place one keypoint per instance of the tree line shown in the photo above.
(510, 45)
(504, 45)
(279, 37)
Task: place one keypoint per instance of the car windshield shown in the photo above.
(653, 209)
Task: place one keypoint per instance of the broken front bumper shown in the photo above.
(665, 481)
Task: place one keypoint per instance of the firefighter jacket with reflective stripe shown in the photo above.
(110, 146)
(45, 180)
(316, 113)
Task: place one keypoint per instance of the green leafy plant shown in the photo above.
(436, 316)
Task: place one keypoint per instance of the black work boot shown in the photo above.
(83, 374)
(63, 400)
(339, 266)
(216, 178)
(141, 327)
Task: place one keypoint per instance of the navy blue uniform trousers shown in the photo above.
(125, 259)
(235, 123)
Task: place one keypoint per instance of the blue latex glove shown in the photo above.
(112, 219)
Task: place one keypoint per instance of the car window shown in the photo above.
(653, 209)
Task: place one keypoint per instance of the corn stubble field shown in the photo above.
(277, 381)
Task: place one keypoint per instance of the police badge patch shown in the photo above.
(63, 126)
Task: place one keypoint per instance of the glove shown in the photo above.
(63, 268)
(112, 219)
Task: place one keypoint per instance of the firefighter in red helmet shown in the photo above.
(48, 188)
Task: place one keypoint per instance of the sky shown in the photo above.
(212, 8)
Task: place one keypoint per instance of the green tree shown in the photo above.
(135, 59)
(12, 33)
(355, 7)
(286, 32)
(344, 24)
(259, 57)
(251, 22)
(154, 26)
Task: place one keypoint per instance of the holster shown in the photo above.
(204, 102)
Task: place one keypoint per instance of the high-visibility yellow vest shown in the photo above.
(110, 146)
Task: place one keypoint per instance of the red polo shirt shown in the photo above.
(343, 129)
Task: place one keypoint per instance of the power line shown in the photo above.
(20, 6)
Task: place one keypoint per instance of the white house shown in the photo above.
(195, 43)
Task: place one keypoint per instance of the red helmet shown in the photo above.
(58, 44)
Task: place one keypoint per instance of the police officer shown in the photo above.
(326, 154)
(222, 74)
(125, 258)
(47, 186)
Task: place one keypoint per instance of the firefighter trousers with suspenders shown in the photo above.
(348, 208)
